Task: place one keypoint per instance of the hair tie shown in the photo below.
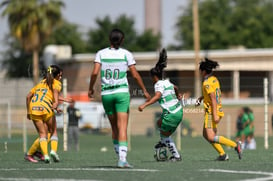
(49, 69)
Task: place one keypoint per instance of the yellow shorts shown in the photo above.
(209, 122)
(43, 117)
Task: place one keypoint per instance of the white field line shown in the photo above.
(269, 175)
(82, 169)
(45, 179)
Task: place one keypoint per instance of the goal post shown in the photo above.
(266, 113)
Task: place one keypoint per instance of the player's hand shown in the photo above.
(69, 100)
(180, 96)
(90, 94)
(59, 110)
(216, 119)
(141, 107)
(28, 116)
(54, 105)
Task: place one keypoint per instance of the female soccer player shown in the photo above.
(167, 95)
(52, 134)
(112, 63)
(213, 110)
(41, 102)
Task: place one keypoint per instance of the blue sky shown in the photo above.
(84, 13)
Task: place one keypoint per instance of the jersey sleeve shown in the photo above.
(57, 85)
(159, 88)
(97, 57)
(130, 58)
(33, 90)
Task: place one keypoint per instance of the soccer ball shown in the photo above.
(161, 154)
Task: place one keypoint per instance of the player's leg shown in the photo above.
(54, 140)
(122, 102)
(108, 104)
(209, 132)
(168, 127)
(76, 132)
(41, 127)
(30, 153)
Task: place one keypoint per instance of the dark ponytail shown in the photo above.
(116, 37)
(208, 65)
(52, 72)
(160, 65)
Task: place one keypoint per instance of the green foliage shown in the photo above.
(98, 38)
(226, 23)
(31, 22)
(68, 34)
(16, 61)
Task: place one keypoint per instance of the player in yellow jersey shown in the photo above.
(213, 110)
(41, 102)
(35, 150)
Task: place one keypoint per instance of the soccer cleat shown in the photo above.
(222, 158)
(47, 159)
(54, 156)
(175, 159)
(39, 155)
(159, 145)
(238, 149)
(122, 164)
(30, 158)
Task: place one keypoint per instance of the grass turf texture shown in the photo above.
(92, 164)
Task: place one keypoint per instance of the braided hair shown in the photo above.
(116, 37)
(208, 65)
(52, 72)
(160, 65)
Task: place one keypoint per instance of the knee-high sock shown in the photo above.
(171, 146)
(224, 141)
(218, 148)
(34, 147)
(123, 148)
(43, 145)
(54, 143)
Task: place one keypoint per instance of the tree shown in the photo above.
(68, 34)
(98, 38)
(15, 58)
(226, 23)
(31, 22)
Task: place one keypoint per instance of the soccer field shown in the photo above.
(92, 164)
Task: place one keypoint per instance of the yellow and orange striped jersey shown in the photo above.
(212, 85)
(42, 100)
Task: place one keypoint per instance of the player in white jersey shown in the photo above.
(112, 63)
(168, 97)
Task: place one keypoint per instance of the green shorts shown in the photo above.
(114, 103)
(170, 121)
(247, 131)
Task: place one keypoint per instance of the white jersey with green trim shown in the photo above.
(168, 100)
(114, 66)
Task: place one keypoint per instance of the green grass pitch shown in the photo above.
(92, 164)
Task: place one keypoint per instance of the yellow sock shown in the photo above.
(218, 148)
(34, 147)
(48, 137)
(223, 140)
(54, 143)
(43, 145)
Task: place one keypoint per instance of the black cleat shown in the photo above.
(222, 158)
(238, 149)
(175, 159)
